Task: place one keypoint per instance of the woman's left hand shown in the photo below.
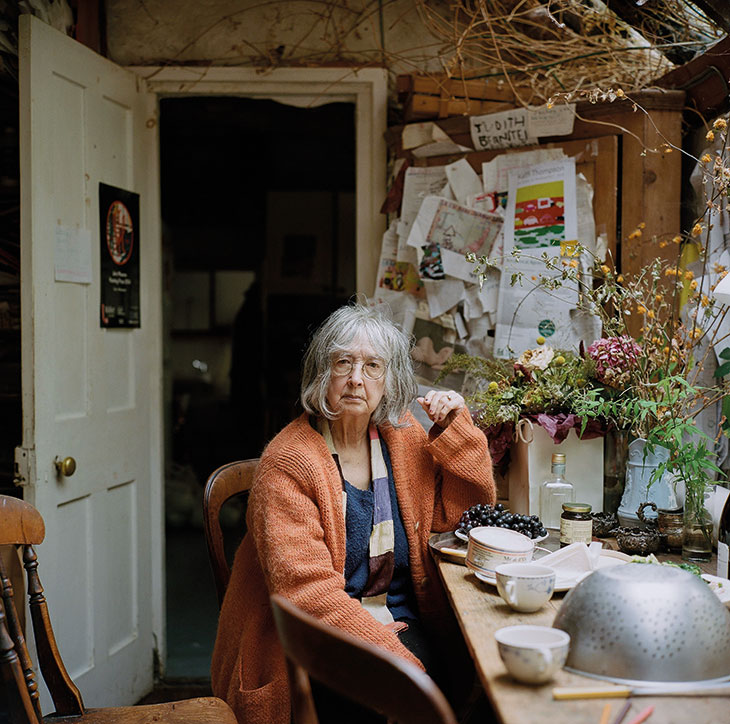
(442, 407)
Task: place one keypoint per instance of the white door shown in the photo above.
(90, 393)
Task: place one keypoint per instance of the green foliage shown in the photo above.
(673, 322)
(659, 395)
(508, 390)
(652, 559)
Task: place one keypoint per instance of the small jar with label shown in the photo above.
(576, 524)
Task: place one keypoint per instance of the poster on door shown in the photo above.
(119, 231)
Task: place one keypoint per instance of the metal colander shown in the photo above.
(641, 623)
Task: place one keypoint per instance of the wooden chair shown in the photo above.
(21, 525)
(354, 669)
(227, 482)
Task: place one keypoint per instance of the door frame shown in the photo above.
(367, 88)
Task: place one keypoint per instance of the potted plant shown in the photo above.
(659, 329)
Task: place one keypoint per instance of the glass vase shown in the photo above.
(615, 454)
(697, 532)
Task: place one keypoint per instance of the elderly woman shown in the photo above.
(341, 509)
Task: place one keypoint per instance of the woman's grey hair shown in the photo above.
(334, 337)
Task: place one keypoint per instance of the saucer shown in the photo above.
(560, 583)
(607, 559)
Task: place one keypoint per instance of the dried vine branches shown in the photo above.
(542, 48)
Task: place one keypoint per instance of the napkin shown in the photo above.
(574, 562)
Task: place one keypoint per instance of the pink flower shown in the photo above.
(614, 358)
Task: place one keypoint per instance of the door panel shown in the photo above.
(89, 392)
(74, 517)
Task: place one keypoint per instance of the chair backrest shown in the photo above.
(357, 670)
(225, 483)
(21, 525)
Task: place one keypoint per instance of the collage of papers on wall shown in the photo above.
(524, 204)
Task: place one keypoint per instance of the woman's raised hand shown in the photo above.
(442, 407)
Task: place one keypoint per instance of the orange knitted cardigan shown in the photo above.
(295, 546)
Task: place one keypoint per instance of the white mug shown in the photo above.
(526, 587)
(532, 654)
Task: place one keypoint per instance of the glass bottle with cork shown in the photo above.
(555, 491)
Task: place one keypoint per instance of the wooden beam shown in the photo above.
(592, 119)
(705, 80)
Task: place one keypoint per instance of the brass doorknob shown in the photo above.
(65, 466)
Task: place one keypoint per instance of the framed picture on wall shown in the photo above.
(119, 257)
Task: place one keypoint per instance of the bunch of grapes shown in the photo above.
(497, 516)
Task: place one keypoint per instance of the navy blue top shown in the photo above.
(359, 524)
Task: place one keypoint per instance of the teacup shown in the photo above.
(490, 547)
(532, 654)
(526, 587)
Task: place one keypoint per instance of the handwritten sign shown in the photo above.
(506, 129)
(72, 255)
(551, 121)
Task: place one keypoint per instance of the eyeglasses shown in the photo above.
(373, 369)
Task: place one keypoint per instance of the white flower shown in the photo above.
(536, 359)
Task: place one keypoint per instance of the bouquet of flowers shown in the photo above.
(647, 374)
(542, 385)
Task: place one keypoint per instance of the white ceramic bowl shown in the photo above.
(490, 547)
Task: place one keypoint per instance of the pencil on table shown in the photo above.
(643, 716)
(624, 710)
(605, 714)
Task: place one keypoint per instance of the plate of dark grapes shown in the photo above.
(498, 516)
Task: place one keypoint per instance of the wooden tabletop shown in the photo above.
(480, 612)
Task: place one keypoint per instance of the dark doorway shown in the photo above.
(258, 211)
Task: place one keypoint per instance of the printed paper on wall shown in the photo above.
(540, 217)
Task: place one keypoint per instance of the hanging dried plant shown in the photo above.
(543, 48)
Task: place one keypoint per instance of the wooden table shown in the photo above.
(480, 612)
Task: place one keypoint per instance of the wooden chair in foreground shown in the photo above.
(354, 669)
(225, 483)
(21, 525)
